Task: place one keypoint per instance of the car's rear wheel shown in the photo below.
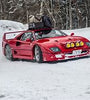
(8, 52)
(38, 54)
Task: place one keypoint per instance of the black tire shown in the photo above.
(8, 53)
(38, 54)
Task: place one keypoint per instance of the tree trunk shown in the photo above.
(86, 6)
(41, 7)
(70, 14)
(50, 13)
(88, 13)
(1, 9)
(66, 15)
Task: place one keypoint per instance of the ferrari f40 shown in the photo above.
(44, 45)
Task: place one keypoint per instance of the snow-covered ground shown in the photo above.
(25, 80)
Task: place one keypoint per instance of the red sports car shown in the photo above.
(44, 45)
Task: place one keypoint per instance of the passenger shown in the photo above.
(33, 19)
(45, 20)
(39, 17)
(40, 21)
(31, 23)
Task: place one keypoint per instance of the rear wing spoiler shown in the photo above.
(12, 35)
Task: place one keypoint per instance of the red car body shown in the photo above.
(54, 48)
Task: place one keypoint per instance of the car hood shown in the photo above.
(49, 42)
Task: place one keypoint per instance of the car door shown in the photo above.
(24, 45)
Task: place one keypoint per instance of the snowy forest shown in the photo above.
(65, 14)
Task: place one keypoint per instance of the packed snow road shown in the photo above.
(26, 80)
(58, 81)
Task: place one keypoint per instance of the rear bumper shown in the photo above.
(63, 56)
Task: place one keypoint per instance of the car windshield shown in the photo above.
(53, 33)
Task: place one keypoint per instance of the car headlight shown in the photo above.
(72, 45)
(68, 45)
(77, 44)
(88, 44)
(55, 49)
(81, 43)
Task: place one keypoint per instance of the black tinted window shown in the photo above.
(27, 35)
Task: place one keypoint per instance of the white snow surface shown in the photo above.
(26, 80)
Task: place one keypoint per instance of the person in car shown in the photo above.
(45, 20)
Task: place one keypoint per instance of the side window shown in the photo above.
(38, 35)
(27, 36)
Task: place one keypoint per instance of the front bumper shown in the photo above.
(65, 56)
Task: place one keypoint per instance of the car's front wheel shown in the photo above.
(8, 52)
(38, 54)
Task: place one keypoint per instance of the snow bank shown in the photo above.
(9, 26)
(6, 25)
(85, 32)
(25, 80)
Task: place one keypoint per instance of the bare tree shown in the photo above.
(1, 9)
(70, 13)
(65, 14)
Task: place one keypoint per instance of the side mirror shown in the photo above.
(72, 34)
(28, 40)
